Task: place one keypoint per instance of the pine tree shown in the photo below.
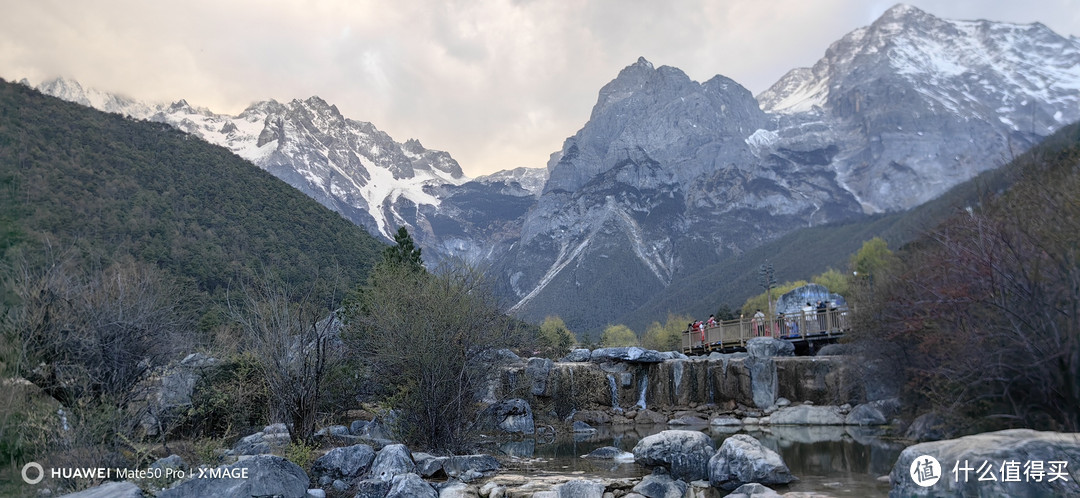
(405, 253)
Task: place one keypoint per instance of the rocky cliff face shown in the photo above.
(667, 174)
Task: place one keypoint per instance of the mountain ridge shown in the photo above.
(670, 175)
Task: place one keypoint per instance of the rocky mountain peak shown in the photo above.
(902, 13)
(414, 146)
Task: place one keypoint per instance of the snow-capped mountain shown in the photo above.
(670, 174)
(917, 104)
(349, 166)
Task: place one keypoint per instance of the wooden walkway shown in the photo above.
(806, 331)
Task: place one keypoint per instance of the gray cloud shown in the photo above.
(498, 83)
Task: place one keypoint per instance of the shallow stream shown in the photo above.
(833, 460)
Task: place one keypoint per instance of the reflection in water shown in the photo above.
(840, 461)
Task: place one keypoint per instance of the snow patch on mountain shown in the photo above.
(339, 160)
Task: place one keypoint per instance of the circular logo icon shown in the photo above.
(26, 474)
(925, 471)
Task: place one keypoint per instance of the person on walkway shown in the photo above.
(821, 309)
(759, 322)
(808, 314)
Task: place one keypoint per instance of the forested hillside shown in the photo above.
(979, 318)
(100, 187)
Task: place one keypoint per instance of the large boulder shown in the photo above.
(410, 486)
(168, 391)
(685, 454)
(263, 475)
(768, 347)
(537, 371)
(630, 354)
(391, 461)
(743, 459)
(928, 427)
(580, 488)
(371, 488)
(661, 485)
(754, 490)
(873, 413)
(764, 386)
(514, 416)
(344, 463)
(577, 356)
(273, 438)
(1005, 455)
(465, 467)
(610, 453)
(808, 415)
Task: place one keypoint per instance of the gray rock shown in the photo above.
(410, 486)
(610, 453)
(503, 356)
(169, 462)
(583, 428)
(267, 475)
(273, 438)
(753, 490)
(763, 380)
(356, 428)
(371, 488)
(743, 459)
(873, 413)
(537, 371)
(514, 416)
(928, 427)
(580, 488)
(428, 465)
(316, 493)
(630, 354)
(649, 417)
(344, 463)
(392, 460)
(334, 432)
(725, 421)
(996, 448)
(577, 356)
(808, 415)
(112, 489)
(339, 486)
(768, 347)
(460, 465)
(689, 420)
(673, 355)
(169, 391)
(685, 454)
(661, 485)
(455, 489)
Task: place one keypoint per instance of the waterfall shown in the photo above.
(677, 372)
(644, 387)
(614, 393)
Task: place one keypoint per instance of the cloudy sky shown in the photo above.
(497, 83)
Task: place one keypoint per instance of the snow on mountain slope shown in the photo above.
(349, 166)
(916, 104)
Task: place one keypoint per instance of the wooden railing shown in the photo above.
(795, 326)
